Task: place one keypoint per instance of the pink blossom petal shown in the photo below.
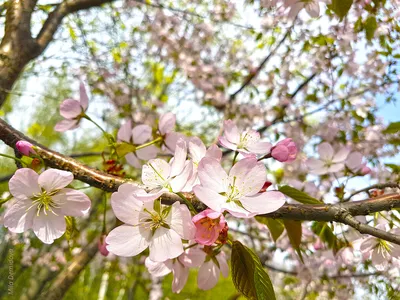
(181, 275)
(225, 143)
(312, 9)
(125, 205)
(212, 175)
(214, 152)
(141, 134)
(171, 140)
(248, 176)
(223, 265)
(127, 240)
(133, 160)
(125, 132)
(72, 202)
(280, 153)
(142, 195)
(314, 164)
(325, 151)
(24, 184)
(48, 227)
(208, 275)
(53, 179)
(179, 182)
(179, 160)
(264, 203)
(158, 269)
(231, 132)
(83, 97)
(147, 153)
(193, 257)
(197, 149)
(209, 197)
(341, 155)
(166, 123)
(165, 244)
(70, 109)
(260, 148)
(237, 211)
(155, 173)
(18, 218)
(181, 221)
(335, 168)
(65, 125)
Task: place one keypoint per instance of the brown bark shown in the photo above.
(18, 47)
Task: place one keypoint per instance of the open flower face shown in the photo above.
(148, 225)
(42, 201)
(238, 192)
(247, 143)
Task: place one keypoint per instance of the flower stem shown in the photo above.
(188, 203)
(14, 158)
(149, 143)
(234, 158)
(265, 157)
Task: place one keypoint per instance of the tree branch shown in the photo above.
(379, 186)
(55, 18)
(261, 66)
(340, 212)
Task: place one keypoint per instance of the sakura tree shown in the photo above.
(191, 149)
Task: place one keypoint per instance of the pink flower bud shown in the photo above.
(365, 170)
(285, 151)
(208, 226)
(25, 148)
(101, 244)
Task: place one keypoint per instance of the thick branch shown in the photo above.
(322, 212)
(81, 172)
(55, 18)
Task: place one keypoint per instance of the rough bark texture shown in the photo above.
(18, 47)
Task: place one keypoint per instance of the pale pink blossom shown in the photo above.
(137, 136)
(209, 271)
(311, 7)
(247, 143)
(73, 111)
(41, 202)
(160, 176)
(239, 192)
(191, 258)
(284, 151)
(355, 164)
(102, 246)
(208, 226)
(148, 225)
(380, 251)
(166, 126)
(329, 161)
(25, 148)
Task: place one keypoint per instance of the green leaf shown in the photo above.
(275, 226)
(392, 128)
(248, 274)
(124, 148)
(341, 7)
(294, 231)
(370, 27)
(297, 195)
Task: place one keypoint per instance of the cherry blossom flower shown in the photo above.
(284, 151)
(191, 258)
(160, 176)
(102, 246)
(380, 251)
(208, 226)
(73, 111)
(25, 148)
(210, 270)
(355, 164)
(137, 136)
(329, 162)
(247, 143)
(238, 192)
(148, 225)
(311, 7)
(42, 201)
(166, 126)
